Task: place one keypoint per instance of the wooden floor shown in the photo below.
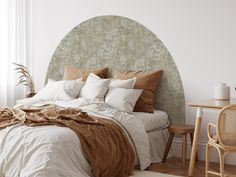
(174, 166)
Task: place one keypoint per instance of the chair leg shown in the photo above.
(191, 138)
(168, 144)
(207, 159)
(221, 158)
(184, 149)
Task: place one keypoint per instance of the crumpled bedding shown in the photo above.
(56, 151)
(103, 141)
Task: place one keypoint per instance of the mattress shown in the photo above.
(156, 127)
(153, 121)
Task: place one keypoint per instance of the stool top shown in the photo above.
(181, 128)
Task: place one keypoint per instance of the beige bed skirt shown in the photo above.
(158, 141)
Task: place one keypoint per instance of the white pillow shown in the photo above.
(123, 99)
(95, 87)
(60, 90)
(127, 84)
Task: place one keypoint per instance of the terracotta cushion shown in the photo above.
(72, 73)
(146, 80)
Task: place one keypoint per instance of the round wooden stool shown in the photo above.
(179, 129)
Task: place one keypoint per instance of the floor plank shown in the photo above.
(174, 166)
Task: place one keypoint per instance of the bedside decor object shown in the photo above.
(25, 79)
(222, 92)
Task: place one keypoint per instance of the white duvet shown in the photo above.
(52, 151)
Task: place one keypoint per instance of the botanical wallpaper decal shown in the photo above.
(122, 43)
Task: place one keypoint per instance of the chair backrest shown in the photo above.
(226, 127)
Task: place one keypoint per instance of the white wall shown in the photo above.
(200, 35)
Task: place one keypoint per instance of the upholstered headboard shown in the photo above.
(123, 44)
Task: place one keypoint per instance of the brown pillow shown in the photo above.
(72, 73)
(146, 80)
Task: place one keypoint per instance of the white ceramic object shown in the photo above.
(222, 92)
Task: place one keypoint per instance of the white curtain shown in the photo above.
(12, 49)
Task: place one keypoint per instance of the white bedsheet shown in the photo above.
(55, 151)
(153, 121)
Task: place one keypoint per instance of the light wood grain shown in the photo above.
(213, 103)
(174, 166)
(184, 149)
(179, 129)
(226, 115)
(198, 123)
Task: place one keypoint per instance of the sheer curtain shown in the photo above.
(12, 49)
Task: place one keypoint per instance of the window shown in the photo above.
(12, 48)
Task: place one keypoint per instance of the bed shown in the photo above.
(107, 41)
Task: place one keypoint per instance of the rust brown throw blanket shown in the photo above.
(104, 143)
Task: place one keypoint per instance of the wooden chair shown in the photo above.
(223, 138)
(183, 130)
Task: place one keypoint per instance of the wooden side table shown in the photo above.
(183, 130)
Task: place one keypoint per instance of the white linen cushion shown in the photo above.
(127, 84)
(60, 90)
(95, 87)
(123, 99)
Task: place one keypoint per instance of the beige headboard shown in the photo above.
(121, 43)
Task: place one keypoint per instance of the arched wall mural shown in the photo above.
(124, 44)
